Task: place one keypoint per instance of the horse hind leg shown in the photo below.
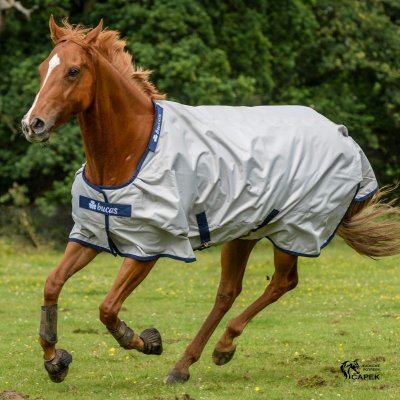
(284, 279)
(56, 361)
(234, 257)
(131, 274)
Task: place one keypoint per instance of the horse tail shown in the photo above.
(372, 227)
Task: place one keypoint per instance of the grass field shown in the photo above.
(346, 307)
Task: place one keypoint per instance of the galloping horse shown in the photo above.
(163, 179)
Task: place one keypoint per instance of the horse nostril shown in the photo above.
(25, 127)
(37, 125)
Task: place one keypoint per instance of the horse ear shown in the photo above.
(56, 32)
(94, 33)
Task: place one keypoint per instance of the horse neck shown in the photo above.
(115, 128)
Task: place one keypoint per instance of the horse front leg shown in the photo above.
(56, 361)
(131, 274)
(234, 257)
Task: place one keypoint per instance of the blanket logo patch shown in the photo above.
(113, 209)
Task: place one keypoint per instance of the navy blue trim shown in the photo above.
(204, 231)
(156, 257)
(367, 196)
(294, 253)
(268, 219)
(88, 244)
(155, 133)
(154, 136)
(133, 256)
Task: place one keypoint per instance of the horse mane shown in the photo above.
(112, 47)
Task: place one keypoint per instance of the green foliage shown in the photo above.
(363, 43)
(340, 57)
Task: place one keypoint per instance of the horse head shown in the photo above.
(355, 367)
(350, 365)
(67, 83)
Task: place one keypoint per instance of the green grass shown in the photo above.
(346, 307)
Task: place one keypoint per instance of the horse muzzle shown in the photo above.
(35, 130)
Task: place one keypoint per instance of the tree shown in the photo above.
(8, 5)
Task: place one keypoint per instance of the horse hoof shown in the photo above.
(222, 357)
(152, 341)
(175, 376)
(58, 367)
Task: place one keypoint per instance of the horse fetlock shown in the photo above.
(225, 344)
(233, 330)
(123, 335)
(58, 367)
(48, 324)
(152, 342)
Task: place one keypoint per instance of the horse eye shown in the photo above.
(73, 72)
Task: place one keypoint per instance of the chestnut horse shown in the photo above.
(89, 75)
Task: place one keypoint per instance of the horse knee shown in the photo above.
(52, 288)
(225, 299)
(107, 313)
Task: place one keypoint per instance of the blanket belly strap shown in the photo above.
(204, 231)
(268, 219)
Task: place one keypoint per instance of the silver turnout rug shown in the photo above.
(216, 173)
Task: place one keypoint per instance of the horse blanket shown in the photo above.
(216, 173)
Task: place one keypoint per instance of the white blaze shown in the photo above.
(53, 63)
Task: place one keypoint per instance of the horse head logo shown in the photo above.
(347, 366)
